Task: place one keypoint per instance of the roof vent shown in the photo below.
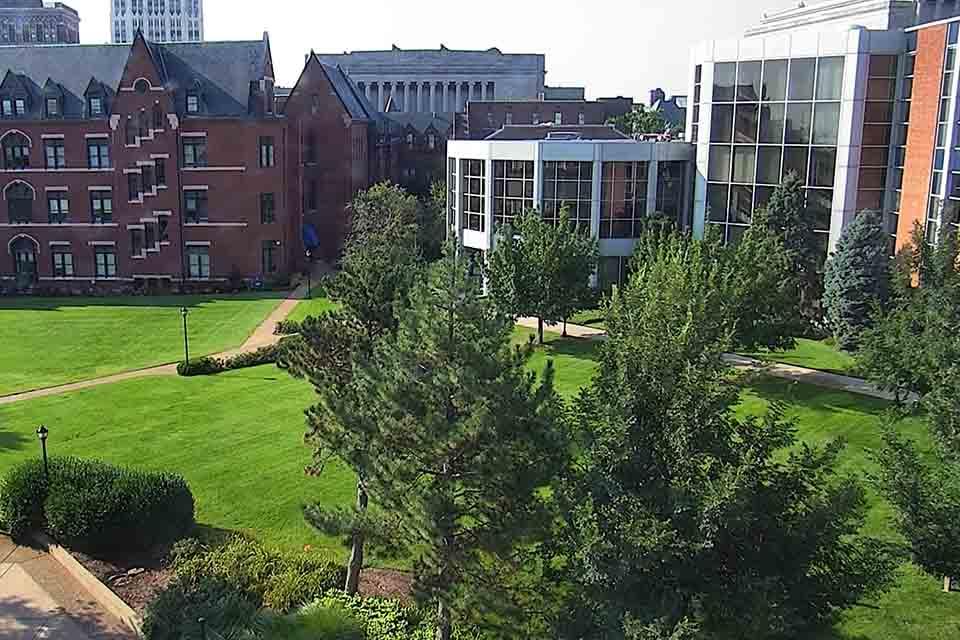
(564, 135)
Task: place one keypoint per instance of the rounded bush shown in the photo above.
(200, 367)
(22, 492)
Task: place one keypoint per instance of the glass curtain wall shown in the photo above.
(570, 185)
(943, 197)
(901, 128)
(473, 189)
(770, 118)
(512, 189)
(623, 201)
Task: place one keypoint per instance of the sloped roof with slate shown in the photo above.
(224, 70)
(420, 122)
(356, 106)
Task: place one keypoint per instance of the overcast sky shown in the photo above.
(613, 47)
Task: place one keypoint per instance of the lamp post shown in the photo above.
(203, 628)
(309, 275)
(186, 341)
(42, 433)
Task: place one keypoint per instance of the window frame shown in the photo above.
(105, 268)
(267, 152)
(268, 208)
(59, 155)
(198, 152)
(101, 206)
(200, 212)
(62, 213)
(62, 263)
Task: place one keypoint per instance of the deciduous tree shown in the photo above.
(641, 120)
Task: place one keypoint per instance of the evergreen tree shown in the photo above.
(857, 278)
(432, 222)
(541, 269)
(470, 440)
(380, 263)
(681, 519)
(786, 216)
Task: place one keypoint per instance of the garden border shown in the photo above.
(100, 592)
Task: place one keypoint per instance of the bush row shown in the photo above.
(287, 328)
(209, 366)
(94, 507)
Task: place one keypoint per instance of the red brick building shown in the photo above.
(486, 117)
(170, 166)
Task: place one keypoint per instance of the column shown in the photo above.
(444, 95)
(408, 97)
(491, 91)
(483, 91)
(458, 97)
(393, 91)
(379, 96)
(419, 108)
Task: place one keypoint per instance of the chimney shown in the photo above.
(656, 95)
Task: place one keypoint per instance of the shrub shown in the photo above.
(173, 614)
(93, 506)
(383, 619)
(200, 367)
(278, 580)
(263, 355)
(318, 623)
(287, 328)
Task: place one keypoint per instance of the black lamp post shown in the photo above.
(309, 276)
(186, 341)
(42, 433)
(203, 628)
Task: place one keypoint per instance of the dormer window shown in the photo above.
(20, 106)
(193, 102)
(432, 141)
(53, 107)
(95, 106)
(410, 141)
(7, 108)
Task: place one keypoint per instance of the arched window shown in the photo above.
(141, 86)
(16, 151)
(131, 131)
(24, 252)
(157, 117)
(19, 196)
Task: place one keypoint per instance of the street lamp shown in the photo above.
(309, 283)
(203, 628)
(186, 341)
(42, 433)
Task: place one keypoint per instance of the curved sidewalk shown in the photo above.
(262, 336)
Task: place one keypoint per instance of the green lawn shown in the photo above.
(51, 341)
(590, 318)
(312, 307)
(813, 354)
(574, 360)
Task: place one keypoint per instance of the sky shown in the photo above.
(612, 47)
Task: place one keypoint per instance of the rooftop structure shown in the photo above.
(31, 22)
(159, 20)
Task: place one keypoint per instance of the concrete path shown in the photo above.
(573, 330)
(40, 600)
(262, 336)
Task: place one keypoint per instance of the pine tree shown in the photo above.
(682, 519)
(857, 278)
(542, 270)
(469, 441)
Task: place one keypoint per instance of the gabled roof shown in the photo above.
(420, 122)
(352, 100)
(224, 70)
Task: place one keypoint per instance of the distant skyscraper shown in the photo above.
(160, 20)
(25, 22)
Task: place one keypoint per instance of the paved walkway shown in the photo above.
(775, 369)
(40, 600)
(262, 336)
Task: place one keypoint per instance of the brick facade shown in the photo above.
(483, 118)
(235, 215)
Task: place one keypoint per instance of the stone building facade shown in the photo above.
(31, 22)
(154, 167)
(159, 20)
(441, 80)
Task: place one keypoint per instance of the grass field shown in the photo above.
(51, 341)
(237, 438)
(311, 307)
(813, 354)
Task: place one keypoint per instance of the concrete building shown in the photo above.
(441, 80)
(30, 22)
(609, 186)
(855, 96)
(167, 166)
(159, 20)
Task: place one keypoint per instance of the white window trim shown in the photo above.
(57, 225)
(102, 243)
(196, 187)
(99, 188)
(97, 136)
(215, 224)
(56, 188)
(237, 168)
(141, 227)
(59, 243)
(197, 243)
(193, 134)
(159, 156)
(126, 171)
(52, 136)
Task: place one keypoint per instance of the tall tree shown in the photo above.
(432, 222)
(857, 278)
(640, 120)
(541, 269)
(680, 518)
(470, 440)
(786, 215)
(379, 265)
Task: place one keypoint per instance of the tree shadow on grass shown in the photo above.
(12, 440)
(36, 303)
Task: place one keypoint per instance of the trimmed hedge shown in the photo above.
(210, 366)
(93, 506)
(280, 581)
(287, 328)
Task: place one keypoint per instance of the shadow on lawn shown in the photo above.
(12, 440)
(36, 303)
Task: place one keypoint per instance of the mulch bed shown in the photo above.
(136, 578)
(386, 583)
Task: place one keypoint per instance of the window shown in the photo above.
(53, 107)
(509, 117)
(195, 152)
(195, 204)
(160, 169)
(138, 245)
(198, 263)
(20, 106)
(98, 154)
(193, 102)
(580, 118)
(410, 141)
(267, 208)
(54, 153)
(134, 187)
(16, 151)
(512, 189)
(432, 141)
(568, 185)
(101, 206)
(266, 151)
(146, 181)
(623, 199)
(670, 180)
(105, 261)
(7, 108)
(269, 256)
(558, 118)
(131, 132)
(62, 264)
(19, 197)
(536, 118)
(157, 118)
(58, 207)
(95, 106)
(473, 188)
